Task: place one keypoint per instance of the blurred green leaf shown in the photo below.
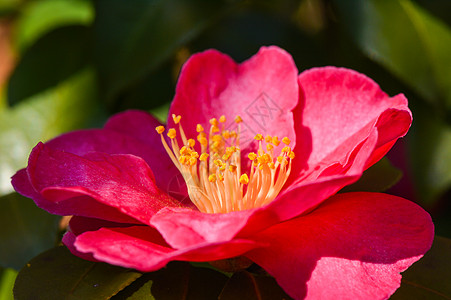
(405, 39)
(39, 17)
(430, 277)
(161, 112)
(244, 285)
(378, 178)
(135, 37)
(179, 280)
(70, 105)
(8, 6)
(430, 148)
(25, 230)
(51, 60)
(58, 274)
(7, 278)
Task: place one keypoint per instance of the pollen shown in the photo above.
(160, 129)
(217, 182)
(244, 179)
(176, 119)
(172, 133)
(258, 137)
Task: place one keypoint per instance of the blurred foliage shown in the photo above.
(69, 64)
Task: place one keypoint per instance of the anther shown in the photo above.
(238, 119)
(214, 122)
(172, 133)
(191, 143)
(212, 178)
(160, 129)
(176, 118)
(268, 139)
(199, 128)
(222, 119)
(286, 141)
(244, 179)
(258, 137)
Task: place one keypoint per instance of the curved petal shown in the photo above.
(142, 248)
(122, 182)
(262, 90)
(337, 111)
(183, 228)
(88, 206)
(304, 195)
(353, 246)
(130, 132)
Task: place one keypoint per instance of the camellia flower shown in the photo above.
(262, 152)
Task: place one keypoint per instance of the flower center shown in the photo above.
(214, 178)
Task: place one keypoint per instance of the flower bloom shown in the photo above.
(263, 152)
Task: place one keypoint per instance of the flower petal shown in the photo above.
(304, 195)
(130, 132)
(123, 182)
(185, 228)
(142, 248)
(262, 90)
(353, 246)
(337, 111)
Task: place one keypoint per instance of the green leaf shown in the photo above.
(179, 280)
(244, 285)
(39, 17)
(430, 151)
(378, 178)
(70, 105)
(429, 278)
(405, 39)
(52, 59)
(25, 230)
(134, 37)
(7, 278)
(58, 274)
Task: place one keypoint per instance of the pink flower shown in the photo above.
(281, 213)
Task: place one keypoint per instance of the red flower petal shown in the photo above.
(338, 109)
(124, 182)
(262, 90)
(142, 248)
(130, 132)
(185, 228)
(353, 246)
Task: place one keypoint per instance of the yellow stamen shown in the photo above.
(176, 118)
(258, 137)
(212, 178)
(191, 143)
(172, 133)
(214, 122)
(160, 129)
(215, 180)
(199, 128)
(252, 156)
(286, 141)
(244, 179)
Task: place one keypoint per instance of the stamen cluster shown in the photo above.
(214, 179)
